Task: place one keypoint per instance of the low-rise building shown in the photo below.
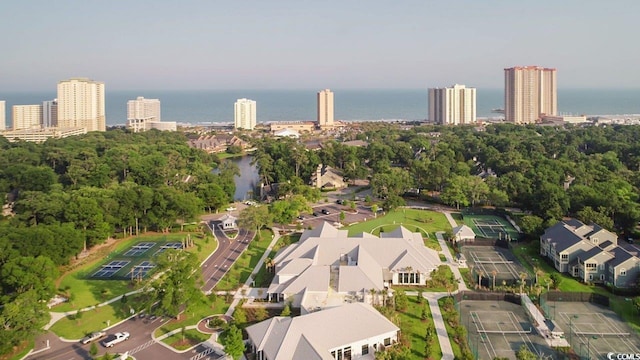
(327, 268)
(590, 253)
(327, 177)
(350, 331)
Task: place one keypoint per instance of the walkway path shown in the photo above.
(55, 316)
(246, 287)
(438, 322)
(450, 261)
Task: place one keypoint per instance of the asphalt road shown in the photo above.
(228, 251)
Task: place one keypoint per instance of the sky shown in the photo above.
(300, 44)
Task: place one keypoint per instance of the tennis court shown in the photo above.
(499, 329)
(141, 270)
(490, 261)
(594, 331)
(110, 269)
(171, 245)
(491, 226)
(139, 249)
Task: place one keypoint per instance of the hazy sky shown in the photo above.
(299, 44)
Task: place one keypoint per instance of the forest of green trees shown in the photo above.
(71, 194)
(590, 173)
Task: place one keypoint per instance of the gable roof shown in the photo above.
(358, 263)
(313, 336)
(463, 231)
(620, 256)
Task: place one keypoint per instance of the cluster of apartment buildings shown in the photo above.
(78, 109)
(530, 96)
(244, 112)
(335, 279)
(590, 253)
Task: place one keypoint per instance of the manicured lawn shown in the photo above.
(184, 341)
(20, 352)
(194, 314)
(464, 272)
(457, 217)
(423, 221)
(263, 277)
(457, 350)
(242, 268)
(86, 291)
(414, 328)
(71, 328)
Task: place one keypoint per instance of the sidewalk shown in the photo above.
(438, 322)
(238, 296)
(450, 261)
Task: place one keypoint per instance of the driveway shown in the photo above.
(228, 251)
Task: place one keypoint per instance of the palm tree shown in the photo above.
(480, 275)
(523, 277)
(372, 291)
(494, 272)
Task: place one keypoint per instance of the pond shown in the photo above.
(248, 180)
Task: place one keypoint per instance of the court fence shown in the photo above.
(562, 296)
(487, 296)
(480, 241)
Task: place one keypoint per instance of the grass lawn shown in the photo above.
(424, 221)
(87, 292)
(183, 341)
(242, 268)
(263, 277)
(464, 272)
(414, 328)
(457, 217)
(72, 328)
(457, 351)
(197, 312)
(20, 352)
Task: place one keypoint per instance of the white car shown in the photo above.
(231, 208)
(119, 337)
(93, 337)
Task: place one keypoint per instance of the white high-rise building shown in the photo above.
(529, 93)
(50, 113)
(3, 115)
(141, 112)
(245, 114)
(81, 104)
(325, 108)
(26, 117)
(452, 106)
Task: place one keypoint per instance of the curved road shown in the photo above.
(228, 251)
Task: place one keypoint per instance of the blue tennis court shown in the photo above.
(141, 270)
(110, 269)
(139, 249)
(171, 245)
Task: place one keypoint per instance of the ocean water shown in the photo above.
(205, 106)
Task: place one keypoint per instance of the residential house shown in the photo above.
(217, 143)
(327, 177)
(350, 331)
(590, 253)
(624, 269)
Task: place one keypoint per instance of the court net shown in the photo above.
(505, 332)
(601, 334)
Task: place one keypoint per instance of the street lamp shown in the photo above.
(588, 348)
(570, 328)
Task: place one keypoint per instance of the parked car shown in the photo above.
(119, 337)
(96, 335)
(231, 208)
(340, 201)
(315, 213)
(300, 217)
(325, 211)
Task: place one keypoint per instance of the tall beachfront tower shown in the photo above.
(50, 113)
(81, 104)
(325, 108)
(3, 114)
(245, 114)
(455, 105)
(142, 111)
(529, 92)
(26, 117)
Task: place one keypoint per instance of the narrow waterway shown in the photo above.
(248, 180)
